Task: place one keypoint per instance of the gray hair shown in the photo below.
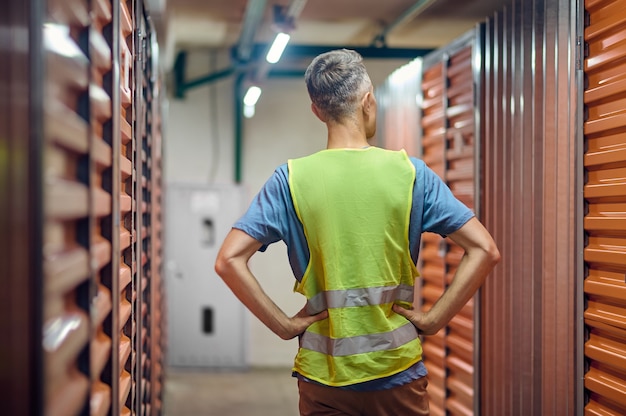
(335, 81)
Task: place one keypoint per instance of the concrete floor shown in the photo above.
(258, 392)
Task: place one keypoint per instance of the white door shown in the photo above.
(206, 323)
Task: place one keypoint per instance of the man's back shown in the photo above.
(355, 206)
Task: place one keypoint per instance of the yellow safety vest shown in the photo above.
(355, 206)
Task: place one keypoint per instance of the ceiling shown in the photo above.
(188, 24)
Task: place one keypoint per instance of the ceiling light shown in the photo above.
(280, 42)
(248, 111)
(252, 96)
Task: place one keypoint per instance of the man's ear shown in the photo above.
(318, 113)
(366, 103)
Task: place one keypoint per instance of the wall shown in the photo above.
(199, 127)
(282, 128)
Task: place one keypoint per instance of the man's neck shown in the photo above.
(341, 136)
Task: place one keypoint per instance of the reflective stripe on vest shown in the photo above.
(359, 297)
(359, 344)
(355, 205)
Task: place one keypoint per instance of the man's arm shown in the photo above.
(481, 255)
(232, 266)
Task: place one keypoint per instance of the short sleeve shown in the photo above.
(265, 219)
(443, 213)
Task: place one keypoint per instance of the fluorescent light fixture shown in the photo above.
(280, 42)
(252, 96)
(248, 111)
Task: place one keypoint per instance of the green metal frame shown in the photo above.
(241, 69)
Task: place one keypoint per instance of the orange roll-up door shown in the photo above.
(149, 113)
(101, 109)
(101, 201)
(432, 267)
(127, 224)
(461, 178)
(449, 148)
(66, 200)
(143, 94)
(605, 199)
(156, 325)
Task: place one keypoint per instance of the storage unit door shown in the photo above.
(529, 193)
(101, 170)
(67, 253)
(449, 148)
(148, 170)
(127, 277)
(461, 178)
(101, 91)
(605, 199)
(431, 263)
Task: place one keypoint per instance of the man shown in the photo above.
(352, 216)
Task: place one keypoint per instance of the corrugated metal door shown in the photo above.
(148, 311)
(102, 341)
(155, 323)
(128, 207)
(449, 148)
(529, 204)
(431, 263)
(398, 124)
(67, 246)
(605, 198)
(101, 174)
(461, 178)
(156, 286)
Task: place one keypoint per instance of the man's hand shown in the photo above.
(232, 266)
(300, 322)
(418, 319)
(481, 255)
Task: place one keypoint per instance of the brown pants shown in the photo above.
(407, 400)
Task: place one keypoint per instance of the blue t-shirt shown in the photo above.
(271, 217)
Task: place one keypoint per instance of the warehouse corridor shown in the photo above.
(134, 133)
(258, 392)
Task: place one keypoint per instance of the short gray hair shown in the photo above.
(335, 81)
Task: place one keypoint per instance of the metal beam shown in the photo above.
(292, 52)
(209, 78)
(180, 66)
(238, 107)
(411, 13)
(371, 52)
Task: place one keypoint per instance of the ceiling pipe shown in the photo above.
(285, 22)
(252, 19)
(295, 8)
(380, 40)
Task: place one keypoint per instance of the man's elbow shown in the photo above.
(486, 253)
(223, 265)
(492, 254)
